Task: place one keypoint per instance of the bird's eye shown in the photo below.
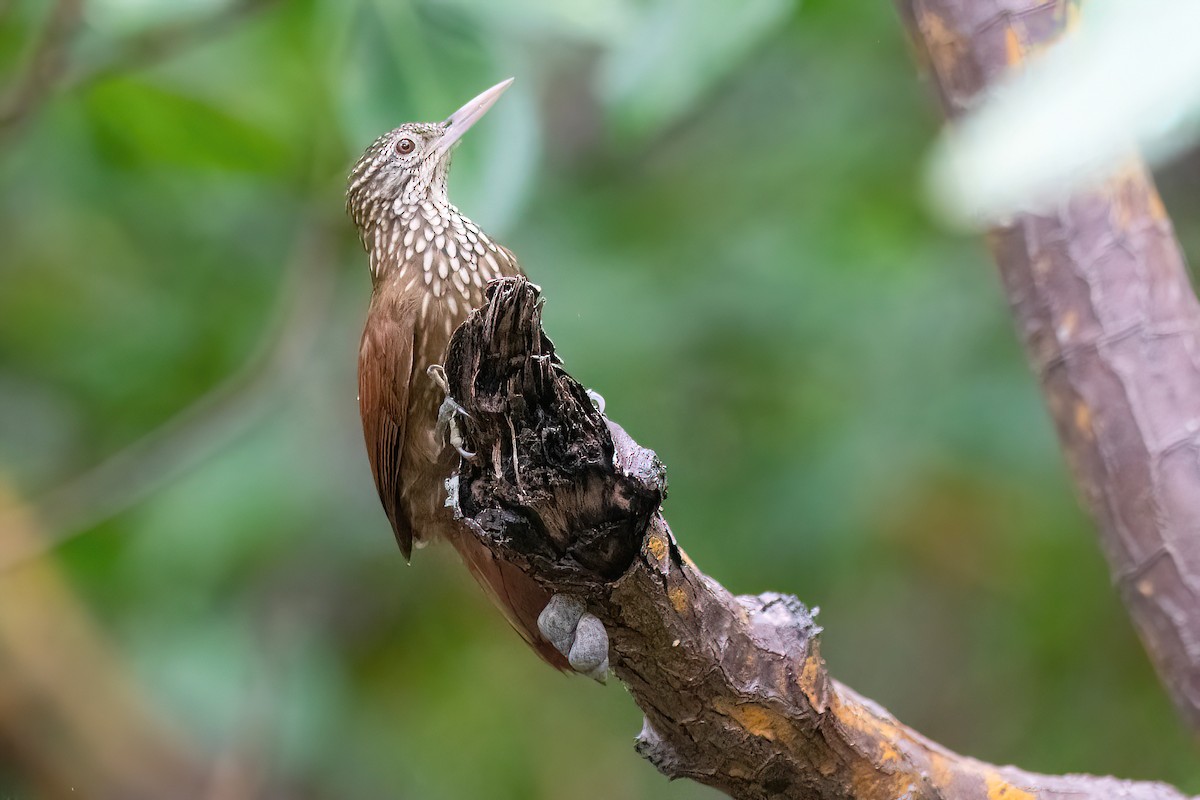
(405, 146)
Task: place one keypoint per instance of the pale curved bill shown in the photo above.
(461, 121)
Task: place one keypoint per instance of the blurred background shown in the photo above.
(199, 593)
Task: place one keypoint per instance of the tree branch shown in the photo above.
(48, 68)
(734, 689)
(166, 41)
(46, 64)
(1100, 293)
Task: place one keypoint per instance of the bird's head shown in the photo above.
(409, 165)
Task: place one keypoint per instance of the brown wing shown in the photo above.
(517, 595)
(385, 366)
(398, 404)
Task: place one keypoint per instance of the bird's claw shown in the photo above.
(597, 399)
(576, 634)
(447, 426)
(438, 374)
(447, 423)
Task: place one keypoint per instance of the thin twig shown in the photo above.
(167, 41)
(49, 69)
(48, 61)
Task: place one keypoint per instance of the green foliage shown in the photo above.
(722, 208)
(175, 130)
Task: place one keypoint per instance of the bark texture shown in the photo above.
(1101, 297)
(734, 689)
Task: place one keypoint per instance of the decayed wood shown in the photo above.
(1101, 297)
(734, 689)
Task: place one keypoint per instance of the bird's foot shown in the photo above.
(447, 419)
(597, 399)
(447, 426)
(576, 634)
(437, 374)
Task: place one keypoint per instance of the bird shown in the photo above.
(429, 268)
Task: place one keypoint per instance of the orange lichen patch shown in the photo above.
(678, 598)
(888, 755)
(759, 720)
(946, 771)
(1070, 12)
(1132, 196)
(1014, 49)
(1000, 789)
(1083, 419)
(658, 550)
(1123, 212)
(1021, 46)
(1067, 326)
(811, 681)
(941, 770)
(1154, 202)
(945, 45)
(871, 732)
(895, 759)
(870, 783)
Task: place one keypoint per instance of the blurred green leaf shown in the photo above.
(132, 16)
(676, 51)
(139, 123)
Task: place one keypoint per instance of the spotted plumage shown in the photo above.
(429, 267)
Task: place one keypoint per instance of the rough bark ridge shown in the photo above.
(735, 691)
(1101, 297)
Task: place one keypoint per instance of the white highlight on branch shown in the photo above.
(1129, 74)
